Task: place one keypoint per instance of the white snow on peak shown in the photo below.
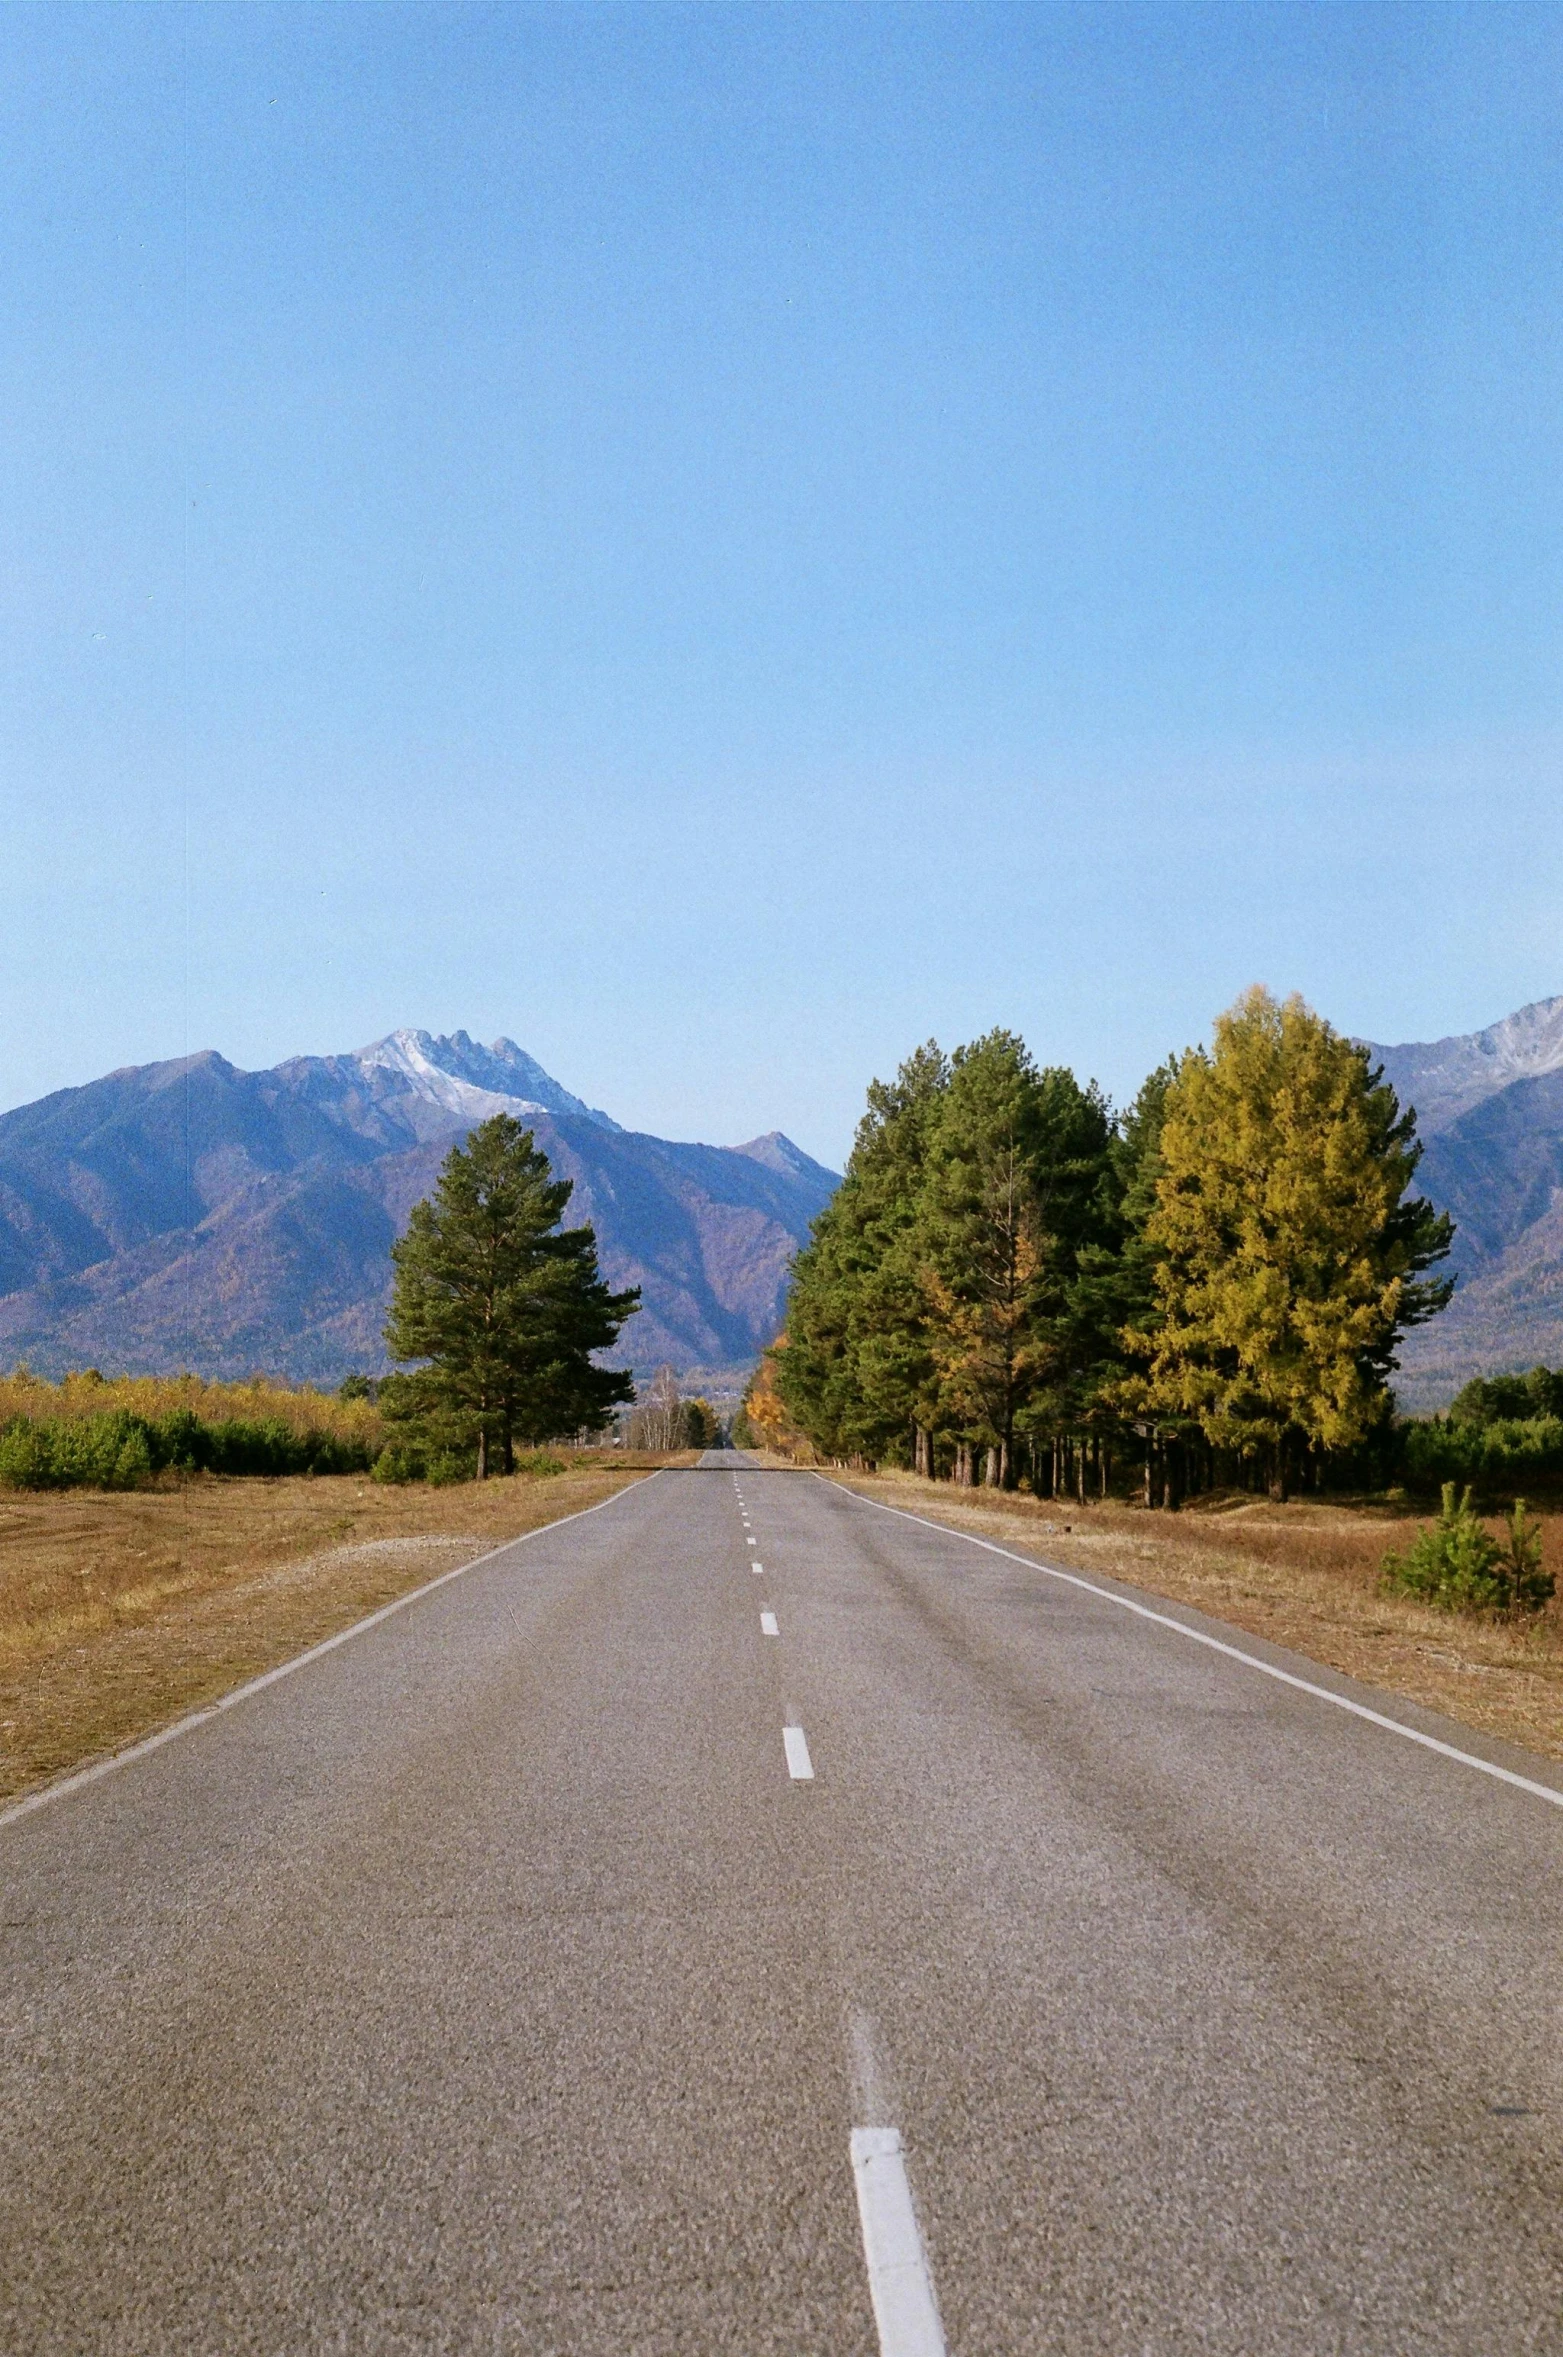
(1444, 1078)
(472, 1082)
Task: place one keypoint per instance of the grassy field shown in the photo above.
(1303, 1575)
(120, 1611)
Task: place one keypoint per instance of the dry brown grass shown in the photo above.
(258, 1401)
(120, 1612)
(1303, 1575)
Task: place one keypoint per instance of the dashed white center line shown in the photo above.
(758, 1569)
(799, 1765)
(768, 1626)
(899, 2283)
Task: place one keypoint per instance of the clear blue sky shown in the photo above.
(723, 540)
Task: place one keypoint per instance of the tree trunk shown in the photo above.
(1150, 1470)
(1080, 1472)
(1278, 1471)
(990, 1468)
(482, 1452)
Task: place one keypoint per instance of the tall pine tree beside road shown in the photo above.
(503, 1307)
(1016, 1163)
(857, 1372)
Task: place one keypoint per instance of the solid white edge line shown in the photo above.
(799, 1765)
(1358, 1710)
(768, 1627)
(285, 1669)
(899, 2283)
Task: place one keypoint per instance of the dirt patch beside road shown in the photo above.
(119, 1612)
(1304, 1575)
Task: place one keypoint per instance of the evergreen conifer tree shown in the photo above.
(503, 1307)
(1016, 1164)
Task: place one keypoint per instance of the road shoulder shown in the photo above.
(1301, 1581)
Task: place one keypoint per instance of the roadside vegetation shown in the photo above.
(503, 1312)
(1195, 1303)
(1016, 1287)
(86, 1432)
(662, 1418)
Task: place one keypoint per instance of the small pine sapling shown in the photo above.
(1452, 1564)
(1519, 1563)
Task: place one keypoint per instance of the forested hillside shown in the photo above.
(1012, 1283)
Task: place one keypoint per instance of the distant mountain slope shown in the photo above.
(1490, 1113)
(188, 1213)
(1444, 1078)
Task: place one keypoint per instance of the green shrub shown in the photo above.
(1457, 1566)
(23, 1457)
(445, 1467)
(396, 1463)
(133, 1464)
(1519, 1563)
(117, 1450)
(540, 1462)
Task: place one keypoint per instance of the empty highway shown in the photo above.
(742, 1919)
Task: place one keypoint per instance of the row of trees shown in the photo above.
(1013, 1281)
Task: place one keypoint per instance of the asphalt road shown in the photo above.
(493, 1984)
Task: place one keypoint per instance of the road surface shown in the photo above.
(740, 1919)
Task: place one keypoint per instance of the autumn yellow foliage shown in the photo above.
(154, 1396)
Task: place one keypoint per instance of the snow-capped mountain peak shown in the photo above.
(471, 1081)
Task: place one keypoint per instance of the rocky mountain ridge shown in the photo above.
(1489, 1108)
(189, 1213)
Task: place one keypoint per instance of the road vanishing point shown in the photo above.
(741, 1918)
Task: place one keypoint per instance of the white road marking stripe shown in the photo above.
(758, 1569)
(898, 2280)
(799, 1765)
(1268, 1669)
(768, 1626)
(359, 1628)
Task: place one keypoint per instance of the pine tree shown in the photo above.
(503, 1306)
(1015, 1167)
(1289, 1255)
(856, 1374)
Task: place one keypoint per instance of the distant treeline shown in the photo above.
(1502, 1432)
(1015, 1284)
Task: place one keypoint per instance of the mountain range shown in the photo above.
(192, 1214)
(1489, 1107)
